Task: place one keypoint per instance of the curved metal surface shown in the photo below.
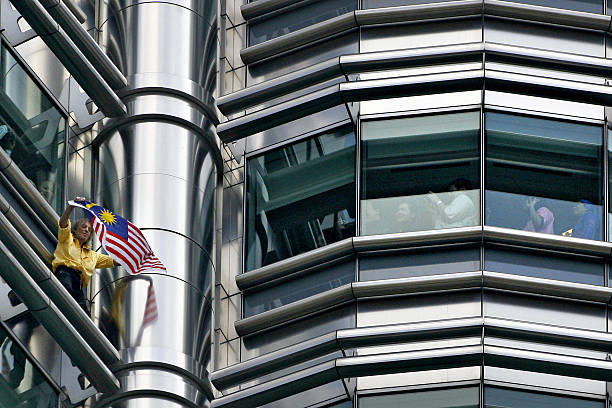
(28, 191)
(65, 17)
(158, 168)
(45, 311)
(71, 57)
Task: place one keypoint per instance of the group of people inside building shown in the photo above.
(458, 207)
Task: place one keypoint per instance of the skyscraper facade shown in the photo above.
(367, 204)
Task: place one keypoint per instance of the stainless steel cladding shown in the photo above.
(158, 167)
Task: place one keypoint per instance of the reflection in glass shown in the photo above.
(543, 175)
(31, 130)
(300, 197)
(571, 268)
(504, 398)
(445, 398)
(298, 288)
(420, 173)
(589, 6)
(297, 18)
(21, 384)
(430, 261)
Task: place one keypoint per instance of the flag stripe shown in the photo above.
(132, 248)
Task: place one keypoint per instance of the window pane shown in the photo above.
(298, 288)
(420, 173)
(453, 398)
(504, 398)
(300, 197)
(430, 261)
(21, 383)
(554, 266)
(31, 130)
(590, 6)
(543, 175)
(311, 13)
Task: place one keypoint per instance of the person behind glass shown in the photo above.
(461, 212)
(74, 261)
(588, 224)
(540, 219)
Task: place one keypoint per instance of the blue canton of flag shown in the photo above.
(113, 223)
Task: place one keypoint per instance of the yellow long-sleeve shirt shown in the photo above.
(69, 253)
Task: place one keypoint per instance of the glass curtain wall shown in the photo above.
(505, 398)
(300, 197)
(543, 175)
(420, 173)
(310, 13)
(445, 398)
(32, 129)
(21, 384)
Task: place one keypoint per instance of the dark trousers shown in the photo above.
(71, 280)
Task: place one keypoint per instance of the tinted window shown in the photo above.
(300, 197)
(295, 19)
(505, 398)
(420, 173)
(452, 398)
(543, 175)
(31, 130)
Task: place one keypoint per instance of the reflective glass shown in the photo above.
(298, 288)
(504, 398)
(590, 6)
(21, 384)
(32, 130)
(300, 197)
(548, 266)
(449, 398)
(297, 18)
(420, 173)
(424, 262)
(543, 175)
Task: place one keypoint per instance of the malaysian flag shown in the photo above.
(122, 240)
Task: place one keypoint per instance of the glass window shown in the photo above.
(300, 197)
(299, 288)
(429, 261)
(543, 175)
(31, 130)
(590, 6)
(571, 268)
(504, 398)
(297, 18)
(420, 173)
(449, 398)
(21, 383)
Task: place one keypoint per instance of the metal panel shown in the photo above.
(297, 332)
(387, 38)
(552, 38)
(543, 310)
(418, 308)
(547, 105)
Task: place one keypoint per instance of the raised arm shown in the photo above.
(63, 221)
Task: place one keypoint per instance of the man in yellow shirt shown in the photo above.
(75, 261)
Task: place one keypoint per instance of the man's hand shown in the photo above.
(79, 199)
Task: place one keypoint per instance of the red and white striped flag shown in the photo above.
(150, 314)
(123, 241)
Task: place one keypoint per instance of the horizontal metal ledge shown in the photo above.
(413, 86)
(71, 57)
(356, 63)
(477, 234)
(404, 333)
(420, 285)
(420, 12)
(413, 361)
